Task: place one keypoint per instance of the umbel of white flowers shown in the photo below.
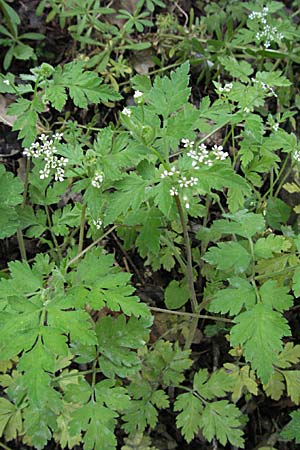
(46, 150)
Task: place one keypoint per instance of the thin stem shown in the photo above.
(20, 237)
(4, 446)
(275, 274)
(170, 244)
(81, 231)
(189, 274)
(21, 244)
(187, 314)
(89, 247)
(57, 248)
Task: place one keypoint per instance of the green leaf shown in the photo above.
(10, 419)
(167, 362)
(130, 195)
(233, 300)
(10, 196)
(273, 78)
(106, 284)
(260, 328)
(266, 247)
(243, 224)
(169, 94)
(176, 295)
(277, 213)
(237, 69)
(118, 341)
(292, 429)
(243, 379)
(98, 422)
(142, 411)
(292, 379)
(228, 256)
(84, 87)
(222, 420)
(190, 416)
(217, 385)
(296, 282)
(275, 296)
(289, 355)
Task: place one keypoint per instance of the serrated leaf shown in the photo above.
(118, 341)
(237, 69)
(265, 247)
(275, 296)
(233, 300)
(221, 419)
(292, 429)
(243, 224)
(84, 87)
(106, 284)
(260, 328)
(292, 379)
(189, 418)
(98, 423)
(243, 380)
(217, 385)
(130, 195)
(289, 355)
(10, 196)
(227, 256)
(274, 388)
(169, 94)
(296, 282)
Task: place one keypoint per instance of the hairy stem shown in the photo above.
(81, 231)
(189, 274)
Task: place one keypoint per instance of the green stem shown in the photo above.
(187, 314)
(278, 272)
(170, 244)
(20, 237)
(89, 247)
(189, 275)
(21, 244)
(57, 248)
(81, 231)
(4, 446)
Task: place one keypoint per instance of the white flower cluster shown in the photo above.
(7, 82)
(204, 156)
(260, 15)
(97, 223)
(138, 96)
(268, 33)
(46, 150)
(98, 180)
(127, 112)
(226, 88)
(296, 155)
(169, 173)
(185, 183)
(275, 126)
(265, 86)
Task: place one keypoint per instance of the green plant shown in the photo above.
(194, 190)
(17, 48)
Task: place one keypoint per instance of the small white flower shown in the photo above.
(275, 126)
(97, 223)
(7, 82)
(98, 180)
(296, 155)
(173, 191)
(127, 112)
(138, 96)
